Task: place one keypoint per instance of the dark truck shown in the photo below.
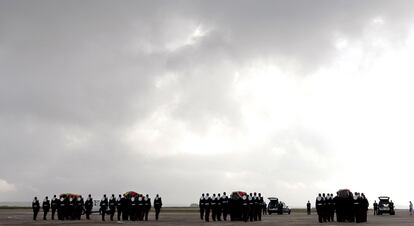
(276, 206)
(385, 206)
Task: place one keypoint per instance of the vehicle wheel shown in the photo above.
(289, 212)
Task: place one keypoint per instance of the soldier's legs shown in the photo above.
(157, 213)
(35, 212)
(103, 212)
(118, 216)
(146, 214)
(201, 213)
(207, 217)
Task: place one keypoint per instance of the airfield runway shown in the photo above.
(190, 217)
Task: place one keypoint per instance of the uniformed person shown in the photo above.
(225, 205)
(133, 206)
(157, 206)
(141, 208)
(125, 206)
(80, 204)
(245, 208)
(259, 207)
(45, 207)
(147, 206)
(88, 206)
(375, 207)
(35, 207)
(112, 207)
(207, 206)
(201, 206)
(119, 207)
(219, 207)
(61, 209)
(71, 208)
(357, 208)
(103, 206)
(255, 205)
(365, 205)
(308, 207)
(318, 204)
(251, 207)
(213, 207)
(331, 208)
(54, 205)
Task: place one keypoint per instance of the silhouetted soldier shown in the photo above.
(80, 204)
(46, 207)
(259, 207)
(264, 208)
(213, 205)
(245, 208)
(125, 206)
(308, 207)
(331, 205)
(35, 207)
(357, 208)
(251, 207)
(319, 204)
(365, 205)
(133, 208)
(375, 207)
(157, 206)
(119, 207)
(255, 206)
(88, 206)
(201, 206)
(62, 209)
(392, 207)
(225, 205)
(71, 209)
(112, 207)
(103, 206)
(207, 205)
(54, 205)
(219, 207)
(140, 208)
(147, 206)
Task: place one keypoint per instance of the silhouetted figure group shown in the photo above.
(247, 207)
(72, 207)
(348, 207)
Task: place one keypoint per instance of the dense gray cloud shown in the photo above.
(159, 96)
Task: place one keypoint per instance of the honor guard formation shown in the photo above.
(129, 206)
(239, 206)
(132, 206)
(348, 207)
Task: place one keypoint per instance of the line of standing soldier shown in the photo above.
(352, 209)
(252, 207)
(70, 208)
(217, 205)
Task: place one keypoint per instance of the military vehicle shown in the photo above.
(385, 206)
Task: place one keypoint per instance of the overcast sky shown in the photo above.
(287, 98)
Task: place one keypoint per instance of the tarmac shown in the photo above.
(174, 217)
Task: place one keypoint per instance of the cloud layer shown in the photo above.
(289, 98)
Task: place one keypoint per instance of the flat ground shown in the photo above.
(173, 216)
